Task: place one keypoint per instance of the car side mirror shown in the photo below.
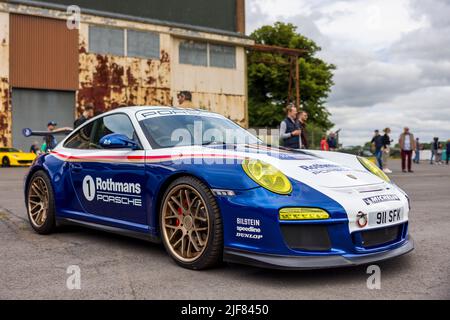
(117, 141)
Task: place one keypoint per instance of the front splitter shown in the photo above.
(313, 262)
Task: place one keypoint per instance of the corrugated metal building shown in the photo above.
(135, 52)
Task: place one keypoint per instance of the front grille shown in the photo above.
(306, 237)
(25, 161)
(383, 236)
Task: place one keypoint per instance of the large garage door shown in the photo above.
(35, 108)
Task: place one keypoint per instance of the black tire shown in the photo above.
(213, 250)
(6, 162)
(49, 224)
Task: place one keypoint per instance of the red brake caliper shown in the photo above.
(180, 213)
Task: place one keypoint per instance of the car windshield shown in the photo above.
(188, 130)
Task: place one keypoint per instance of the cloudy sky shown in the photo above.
(393, 60)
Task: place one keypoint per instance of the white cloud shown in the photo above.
(425, 111)
(393, 60)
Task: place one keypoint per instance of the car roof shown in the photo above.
(134, 109)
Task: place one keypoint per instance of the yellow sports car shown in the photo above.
(16, 157)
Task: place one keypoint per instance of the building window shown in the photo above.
(195, 53)
(222, 56)
(105, 40)
(142, 44)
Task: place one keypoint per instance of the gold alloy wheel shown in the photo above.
(185, 223)
(38, 201)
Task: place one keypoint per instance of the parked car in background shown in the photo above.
(16, 157)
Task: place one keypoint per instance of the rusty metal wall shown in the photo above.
(230, 105)
(107, 81)
(44, 53)
(5, 100)
(5, 113)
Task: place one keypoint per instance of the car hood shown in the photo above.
(298, 165)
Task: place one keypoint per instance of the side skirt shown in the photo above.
(123, 232)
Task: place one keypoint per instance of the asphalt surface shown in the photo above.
(116, 267)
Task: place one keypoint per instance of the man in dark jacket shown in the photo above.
(377, 143)
(447, 150)
(332, 141)
(434, 149)
(290, 129)
(302, 118)
(88, 113)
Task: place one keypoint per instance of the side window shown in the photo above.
(80, 139)
(116, 123)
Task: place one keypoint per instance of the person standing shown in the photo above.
(34, 148)
(332, 141)
(377, 143)
(434, 148)
(417, 152)
(290, 129)
(303, 118)
(439, 154)
(88, 113)
(324, 144)
(185, 99)
(407, 145)
(386, 149)
(447, 151)
(50, 141)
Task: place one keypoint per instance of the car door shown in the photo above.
(110, 183)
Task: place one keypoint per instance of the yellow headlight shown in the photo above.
(369, 165)
(303, 214)
(267, 176)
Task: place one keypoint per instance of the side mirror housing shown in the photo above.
(117, 141)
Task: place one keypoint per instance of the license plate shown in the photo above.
(385, 217)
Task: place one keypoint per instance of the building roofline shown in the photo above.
(120, 16)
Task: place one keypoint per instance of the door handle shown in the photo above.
(76, 167)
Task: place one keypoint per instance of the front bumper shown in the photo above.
(21, 162)
(314, 262)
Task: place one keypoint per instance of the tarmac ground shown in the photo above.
(116, 267)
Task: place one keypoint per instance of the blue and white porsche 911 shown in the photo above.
(210, 191)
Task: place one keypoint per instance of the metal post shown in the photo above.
(290, 80)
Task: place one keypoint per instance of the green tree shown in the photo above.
(268, 82)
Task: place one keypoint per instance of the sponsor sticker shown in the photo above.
(109, 191)
(320, 168)
(381, 198)
(248, 228)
